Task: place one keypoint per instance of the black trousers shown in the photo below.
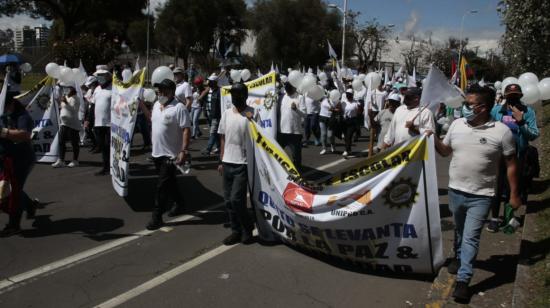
(23, 167)
(167, 186)
(235, 177)
(103, 134)
(294, 143)
(68, 134)
(350, 127)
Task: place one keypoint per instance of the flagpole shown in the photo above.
(147, 52)
(344, 32)
(461, 33)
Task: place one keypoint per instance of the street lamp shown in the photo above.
(461, 30)
(345, 13)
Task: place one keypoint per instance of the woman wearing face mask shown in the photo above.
(70, 125)
(17, 155)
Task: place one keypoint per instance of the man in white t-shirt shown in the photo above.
(184, 91)
(102, 117)
(293, 111)
(171, 128)
(374, 102)
(311, 123)
(477, 144)
(409, 120)
(233, 131)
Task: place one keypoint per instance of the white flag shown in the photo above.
(437, 89)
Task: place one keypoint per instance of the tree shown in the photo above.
(137, 35)
(413, 55)
(526, 39)
(78, 16)
(294, 33)
(368, 40)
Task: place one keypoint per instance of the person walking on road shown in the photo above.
(351, 110)
(213, 111)
(102, 118)
(477, 143)
(293, 112)
(70, 126)
(171, 129)
(233, 132)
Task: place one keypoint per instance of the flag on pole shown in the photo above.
(331, 51)
(437, 89)
(276, 68)
(272, 69)
(463, 74)
(386, 75)
(137, 67)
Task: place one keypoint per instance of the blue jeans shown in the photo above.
(213, 139)
(144, 129)
(469, 213)
(327, 135)
(311, 124)
(195, 114)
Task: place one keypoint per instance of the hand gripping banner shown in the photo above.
(381, 214)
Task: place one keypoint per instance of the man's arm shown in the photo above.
(441, 148)
(222, 147)
(512, 174)
(183, 152)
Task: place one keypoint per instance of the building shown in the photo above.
(41, 35)
(28, 37)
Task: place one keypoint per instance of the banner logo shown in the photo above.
(297, 198)
(401, 193)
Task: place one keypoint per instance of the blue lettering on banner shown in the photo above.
(121, 133)
(266, 123)
(43, 123)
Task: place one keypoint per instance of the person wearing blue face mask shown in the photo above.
(477, 144)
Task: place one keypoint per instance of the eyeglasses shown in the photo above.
(471, 107)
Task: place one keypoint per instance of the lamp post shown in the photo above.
(461, 30)
(345, 13)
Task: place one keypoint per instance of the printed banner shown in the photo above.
(382, 214)
(262, 96)
(124, 107)
(44, 110)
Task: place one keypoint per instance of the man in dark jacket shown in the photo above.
(213, 110)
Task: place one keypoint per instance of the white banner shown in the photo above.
(124, 107)
(262, 96)
(44, 111)
(382, 214)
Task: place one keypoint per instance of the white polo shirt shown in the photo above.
(476, 155)
(167, 128)
(102, 109)
(183, 91)
(234, 127)
(397, 132)
(291, 120)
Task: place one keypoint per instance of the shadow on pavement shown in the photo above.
(44, 226)
(210, 218)
(533, 252)
(504, 269)
(539, 186)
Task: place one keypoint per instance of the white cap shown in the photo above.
(101, 72)
(101, 67)
(349, 91)
(213, 77)
(65, 84)
(394, 97)
(90, 80)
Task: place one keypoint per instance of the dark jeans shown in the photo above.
(234, 193)
(103, 134)
(68, 134)
(23, 168)
(350, 127)
(311, 124)
(294, 143)
(144, 129)
(167, 186)
(502, 192)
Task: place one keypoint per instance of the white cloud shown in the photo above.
(484, 38)
(19, 21)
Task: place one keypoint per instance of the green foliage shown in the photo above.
(90, 49)
(137, 35)
(526, 41)
(294, 33)
(367, 41)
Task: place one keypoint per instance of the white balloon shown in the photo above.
(316, 92)
(323, 76)
(66, 75)
(126, 76)
(308, 82)
(235, 75)
(454, 102)
(295, 78)
(362, 77)
(245, 74)
(528, 78)
(357, 84)
(82, 77)
(52, 69)
(149, 95)
(76, 75)
(373, 80)
(498, 85)
(25, 67)
(283, 78)
(531, 94)
(544, 89)
(160, 73)
(507, 81)
(334, 96)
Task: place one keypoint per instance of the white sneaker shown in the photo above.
(323, 151)
(345, 154)
(58, 164)
(332, 149)
(73, 164)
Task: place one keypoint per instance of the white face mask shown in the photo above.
(163, 99)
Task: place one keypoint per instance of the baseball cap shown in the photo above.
(413, 91)
(90, 80)
(165, 84)
(513, 89)
(350, 91)
(394, 97)
(213, 77)
(178, 70)
(239, 88)
(102, 72)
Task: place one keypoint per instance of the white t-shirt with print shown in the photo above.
(476, 155)
(167, 128)
(102, 109)
(234, 127)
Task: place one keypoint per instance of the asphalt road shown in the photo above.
(88, 247)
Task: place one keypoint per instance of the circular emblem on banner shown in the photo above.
(401, 193)
(43, 101)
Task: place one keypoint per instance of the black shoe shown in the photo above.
(247, 238)
(101, 173)
(31, 210)
(175, 211)
(232, 239)
(461, 292)
(493, 225)
(154, 224)
(9, 231)
(453, 266)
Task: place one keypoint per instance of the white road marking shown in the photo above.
(12, 282)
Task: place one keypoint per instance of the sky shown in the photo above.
(440, 17)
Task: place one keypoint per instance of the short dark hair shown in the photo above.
(486, 94)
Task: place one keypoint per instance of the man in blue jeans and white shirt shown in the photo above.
(477, 144)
